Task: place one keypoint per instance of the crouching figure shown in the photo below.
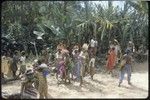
(28, 90)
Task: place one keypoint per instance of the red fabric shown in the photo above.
(111, 61)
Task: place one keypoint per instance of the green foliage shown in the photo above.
(75, 21)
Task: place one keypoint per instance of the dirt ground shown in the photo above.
(103, 86)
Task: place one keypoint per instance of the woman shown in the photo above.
(77, 64)
(111, 60)
(60, 66)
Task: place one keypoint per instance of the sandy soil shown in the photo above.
(103, 86)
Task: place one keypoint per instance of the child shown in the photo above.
(126, 68)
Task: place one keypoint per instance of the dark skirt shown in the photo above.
(13, 66)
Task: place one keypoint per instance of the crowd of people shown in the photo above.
(68, 66)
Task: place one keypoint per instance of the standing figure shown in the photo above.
(84, 58)
(41, 75)
(14, 67)
(140, 52)
(45, 54)
(111, 60)
(92, 65)
(59, 61)
(4, 65)
(126, 68)
(62, 69)
(131, 47)
(68, 67)
(9, 64)
(93, 45)
(117, 51)
(23, 63)
(77, 64)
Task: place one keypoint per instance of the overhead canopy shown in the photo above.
(48, 30)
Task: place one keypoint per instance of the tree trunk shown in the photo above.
(86, 9)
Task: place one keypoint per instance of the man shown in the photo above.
(126, 68)
(93, 45)
(41, 73)
(131, 47)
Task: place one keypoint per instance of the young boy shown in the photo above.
(126, 68)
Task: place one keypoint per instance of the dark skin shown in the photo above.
(43, 93)
(109, 54)
(67, 70)
(92, 56)
(27, 83)
(59, 51)
(76, 52)
(14, 65)
(86, 70)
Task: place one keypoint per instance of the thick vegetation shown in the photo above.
(74, 21)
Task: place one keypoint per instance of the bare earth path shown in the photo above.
(103, 86)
